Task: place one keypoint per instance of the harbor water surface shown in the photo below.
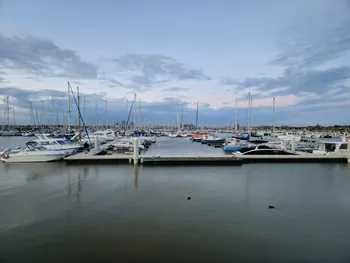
(54, 212)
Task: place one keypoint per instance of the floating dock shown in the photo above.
(201, 160)
(305, 158)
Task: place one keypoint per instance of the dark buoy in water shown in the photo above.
(189, 198)
(271, 207)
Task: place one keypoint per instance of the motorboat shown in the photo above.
(33, 154)
(288, 136)
(263, 150)
(9, 133)
(233, 145)
(332, 148)
(212, 139)
(29, 134)
(8, 150)
(57, 144)
(107, 135)
(127, 144)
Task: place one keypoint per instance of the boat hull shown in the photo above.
(31, 158)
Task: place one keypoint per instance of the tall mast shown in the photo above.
(79, 130)
(249, 111)
(236, 116)
(197, 116)
(106, 115)
(182, 113)
(42, 115)
(126, 114)
(8, 111)
(52, 111)
(134, 112)
(37, 117)
(68, 112)
(96, 115)
(13, 115)
(84, 109)
(139, 119)
(32, 113)
(274, 114)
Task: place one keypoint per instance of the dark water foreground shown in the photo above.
(59, 213)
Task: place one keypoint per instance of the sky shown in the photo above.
(173, 54)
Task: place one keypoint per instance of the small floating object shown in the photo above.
(189, 198)
(272, 207)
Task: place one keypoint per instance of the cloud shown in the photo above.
(26, 95)
(293, 81)
(315, 42)
(147, 70)
(175, 89)
(77, 82)
(43, 57)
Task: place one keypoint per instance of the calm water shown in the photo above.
(105, 213)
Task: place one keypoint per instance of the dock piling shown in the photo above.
(348, 150)
(136, 150)
(293, 143)
(97, 145)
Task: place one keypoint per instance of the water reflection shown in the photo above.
(81, 177)
(136, 176)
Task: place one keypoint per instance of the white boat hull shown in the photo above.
(288, 138)
(33, 157)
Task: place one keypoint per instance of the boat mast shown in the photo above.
(52, 111)
(84, 107)
(42, 116)
(13, 115)
(139, 117)
(236, 116)
(274, 115)
(96, 115)
(182, 113)
(249, 112)
(106, 115)
(37, 118)
(68, 112)
(197, 116)
(126, 114)
(32, 113)
(134, 128)
(79, 130)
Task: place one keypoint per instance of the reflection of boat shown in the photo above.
(33, 155)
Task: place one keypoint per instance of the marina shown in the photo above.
(225, 148)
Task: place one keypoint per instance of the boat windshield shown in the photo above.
(62, 142)
(330, 147)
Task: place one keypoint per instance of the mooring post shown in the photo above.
(293, 143)
(97, 145)
(348, 150)
(136, 150)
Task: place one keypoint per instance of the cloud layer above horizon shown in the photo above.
(303, 61)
